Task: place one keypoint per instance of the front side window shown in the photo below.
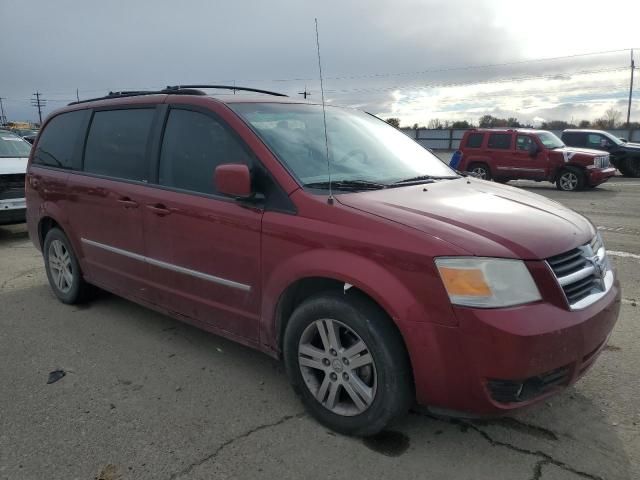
(117, 143)
(524, 143)
(194, 144)
(549, 140)
(58, 140)
(12, 146)
(361, 147)
(500, 141)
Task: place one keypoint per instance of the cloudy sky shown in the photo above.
(412, 59)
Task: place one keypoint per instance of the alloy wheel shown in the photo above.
(480, 172)
(569, 181)
(60, 266)
(337, 367)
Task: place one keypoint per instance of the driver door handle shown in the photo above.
(159, 209)
(127, 202)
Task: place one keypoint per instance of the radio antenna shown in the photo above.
(324, 118)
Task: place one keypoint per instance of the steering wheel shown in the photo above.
(353, 153)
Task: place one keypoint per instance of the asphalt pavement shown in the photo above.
(148, 397)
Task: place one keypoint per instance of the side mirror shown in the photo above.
(623, 140)
(533, 149)
(233, 179)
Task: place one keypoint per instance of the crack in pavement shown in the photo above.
(19, 275)
(224, 445)
(545, 458)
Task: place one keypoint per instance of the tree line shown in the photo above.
(610, 120)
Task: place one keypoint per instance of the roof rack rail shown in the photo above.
(176, 88)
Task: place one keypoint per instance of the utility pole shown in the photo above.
(77, 95)
(3, 118)
(38, 103)
(305, 93)
(630, 96)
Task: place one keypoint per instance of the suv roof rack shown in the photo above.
(177, 90)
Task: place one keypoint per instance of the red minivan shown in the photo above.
(379, 275)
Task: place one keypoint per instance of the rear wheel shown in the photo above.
(570, 179)
(63, 270)
(481, 170)
(348, 363)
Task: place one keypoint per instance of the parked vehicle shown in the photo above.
(14, 153)
(511, 154)
(625, 156)
(396, 281)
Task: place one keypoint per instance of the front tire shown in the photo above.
(348, 363)
(570, 179)
(63, 269)
(630, 167)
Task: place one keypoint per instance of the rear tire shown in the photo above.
(348, 363)
(481, 170)
(63, 269)
(570, 179)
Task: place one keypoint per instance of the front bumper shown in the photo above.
(596, 176)
(497, 360)
(13, 210)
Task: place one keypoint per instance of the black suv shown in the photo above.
(625, 156)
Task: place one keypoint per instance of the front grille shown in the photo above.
(12, 186)
(582, 272)
(602, 162)
(513, 391)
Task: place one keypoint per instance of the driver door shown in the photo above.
(528, 158)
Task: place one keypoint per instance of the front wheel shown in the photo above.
(348, 363)
(630, 167)
(570, 180)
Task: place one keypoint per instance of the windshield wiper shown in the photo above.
(422, 179)
(348, 185)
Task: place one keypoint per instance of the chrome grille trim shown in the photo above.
(584, 273)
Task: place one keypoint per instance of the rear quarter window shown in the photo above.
(500, 141)
(58, 140)
(117, 143)
(474, 140)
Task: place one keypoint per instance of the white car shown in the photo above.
(14, 153)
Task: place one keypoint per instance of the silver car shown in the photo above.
(14, 153)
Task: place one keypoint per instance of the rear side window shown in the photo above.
(499, 140)
(58, 140)
(474, 140)
(194, 144)
(574, 139)
(117, 143)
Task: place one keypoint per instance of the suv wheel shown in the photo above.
(348, 363)
(630, 167)
(570, 180)
(63, 270)
(481, 171)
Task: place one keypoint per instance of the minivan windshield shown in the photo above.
(12, 146)
(549, 140)
(364, 151)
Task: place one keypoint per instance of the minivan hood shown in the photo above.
(13, 165)
(482, 218)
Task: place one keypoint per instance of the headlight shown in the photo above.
(487, 282)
